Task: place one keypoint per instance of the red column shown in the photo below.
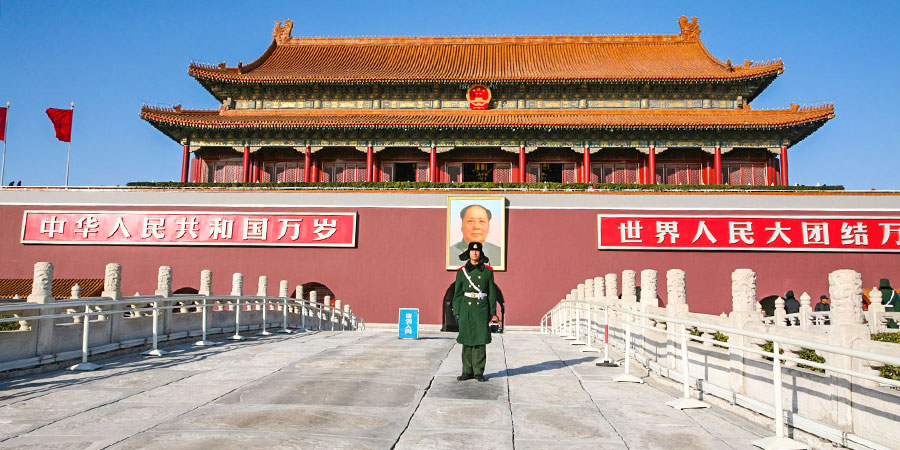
(315, 171)
(586, 177)
(258, 172)
(523, 174)
(651, 166)
(432, 165)
(195, 169)
(246, 176)
(717, 166)
(770, 170)
(307, 166)
(185, 163)
(784, 166)
(369, 159)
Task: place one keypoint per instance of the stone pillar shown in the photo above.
(744, 311)
(112, 283)
(283, 289)
(237, 284)
(743, 297)
(805, 311)
(579, 292)
(164, 282)
(315, 313)
(599, 289)
(629, 291)
(648, 289)
(876, 310)
(76, 292)
(780, 312)
(246, 165)
(612, 285)
(262, 290)
(784, 166)
(112, 289)
(845, 291)
(676, 292)
(42, 292)
(589, 289)
(205, 282)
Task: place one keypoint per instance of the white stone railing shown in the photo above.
(732, 357)
(53, 332)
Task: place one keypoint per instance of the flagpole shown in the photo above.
(69, 149)
(5, 137)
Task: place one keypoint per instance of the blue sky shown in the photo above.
(112, 57)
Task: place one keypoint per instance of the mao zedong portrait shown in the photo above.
(476, 224)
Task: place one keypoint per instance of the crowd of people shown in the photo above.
(889, 298)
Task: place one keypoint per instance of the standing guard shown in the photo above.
(474, 303)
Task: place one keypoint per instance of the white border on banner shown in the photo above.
(744, 249)
(190, 244)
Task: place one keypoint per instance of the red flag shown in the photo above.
(3, 123)
(62, 123)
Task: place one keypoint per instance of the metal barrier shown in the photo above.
(83, 309)
(560, 320)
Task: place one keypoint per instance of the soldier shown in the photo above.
(889, 299)
(474, 302)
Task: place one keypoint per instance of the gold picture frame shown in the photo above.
(481, 224)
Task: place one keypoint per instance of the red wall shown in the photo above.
(400, 255)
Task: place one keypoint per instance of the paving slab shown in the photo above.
(357, 390)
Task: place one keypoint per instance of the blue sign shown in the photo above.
(409, 323)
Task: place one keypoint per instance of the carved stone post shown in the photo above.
(875, 315)
(164, 282)
(42, 292)
(744, 310)
(629, 291)
(845, 291)
(589, 289)
(76, 292)
(612, 286)
(164, 290)
(326, 310)
(780, 313)
(237, 288)
(298, 294)
(648, 289)
(263, 289)
(805, 311)
(599, 290)
(315, 313)
(676, 304)
(205, 283)
(112, 283)
(283, 289)
(338, 307)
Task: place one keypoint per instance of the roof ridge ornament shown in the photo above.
(690, 30)
(282, 33)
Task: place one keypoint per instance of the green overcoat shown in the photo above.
(474, 313)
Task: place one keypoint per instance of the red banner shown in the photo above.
(3, 111)
(189, 228)
(760, 233)
(62, 123)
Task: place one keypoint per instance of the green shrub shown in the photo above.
(9, 326)
(415, 185)
(811, 355)
(890, 372)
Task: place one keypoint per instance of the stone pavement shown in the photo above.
(356, 390)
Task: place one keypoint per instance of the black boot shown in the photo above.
(464, 377)
(480, 377)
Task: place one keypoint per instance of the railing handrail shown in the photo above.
(810, 344)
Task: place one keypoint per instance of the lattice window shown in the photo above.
(501, 173)
(454, 172)
(678, 173)
(387, 172)
(569, 173)
(421, 172)
(533, 173)
(327, 173)
(750, 174)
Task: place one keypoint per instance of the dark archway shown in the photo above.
(186, 290)
(449, 322)
(320, 289)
